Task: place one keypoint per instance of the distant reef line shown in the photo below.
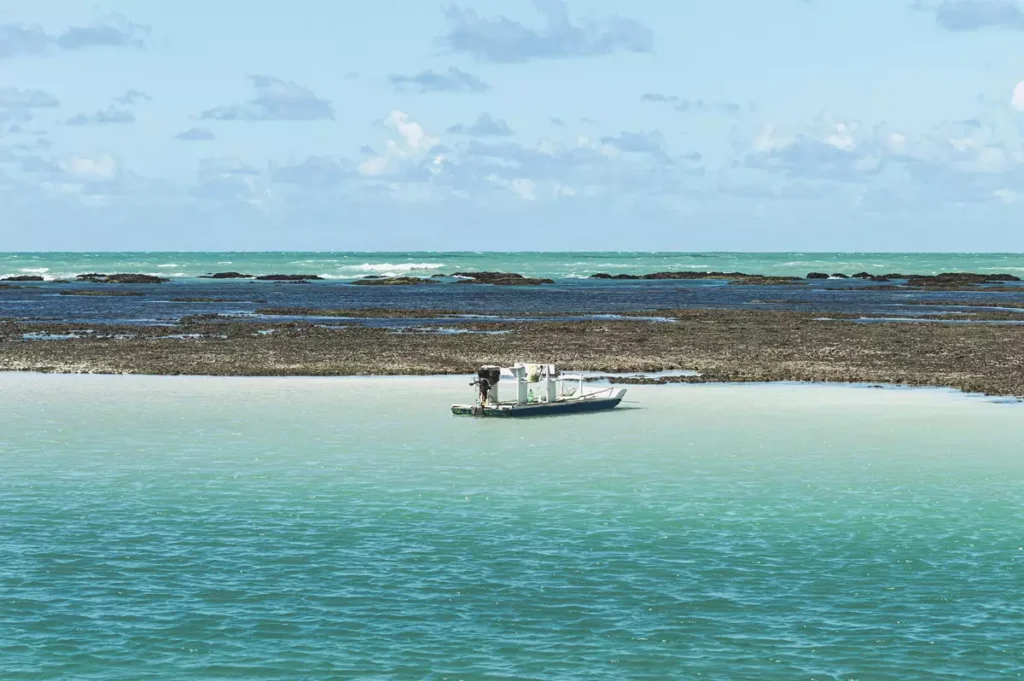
(945, 280)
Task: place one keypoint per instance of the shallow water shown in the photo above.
(170, 528)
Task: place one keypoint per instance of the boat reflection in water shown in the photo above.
(534, 390)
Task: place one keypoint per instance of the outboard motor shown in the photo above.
(491, 373)
(487, 377)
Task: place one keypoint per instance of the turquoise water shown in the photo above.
(345, 266)
(189, 528)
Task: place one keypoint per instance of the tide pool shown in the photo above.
(212, 528)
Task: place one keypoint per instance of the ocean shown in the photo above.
(207, 528)
(348, 266)
(573, 292)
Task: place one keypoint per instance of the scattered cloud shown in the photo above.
(16, 98)
(650, 143)
(231, 179)
(484, 126)
(196, 135)
(504, 40)
(116, 31)
(101, 167)
(696, 105)
(454, 80)
(314, 172)
(1017, 99)
(19, 39)
(976, 15)
(109, 116)
(132, 96)
(404, 153)
(32, 40)
(276, 100)
(958, 162)
(829, 149)
(618, 166)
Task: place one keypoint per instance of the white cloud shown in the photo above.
(1017, 101)
(101, 167)
(412, 145)
(1007, 196)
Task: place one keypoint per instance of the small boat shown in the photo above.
(534, 390)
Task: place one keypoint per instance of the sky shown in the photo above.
(741, 125)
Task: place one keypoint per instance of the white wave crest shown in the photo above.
(392, 267)
(171, 264)
(34, 270)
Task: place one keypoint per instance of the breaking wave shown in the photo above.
(391, 267)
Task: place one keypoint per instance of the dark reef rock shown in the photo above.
(226, 275)
(658, 276)
(880, 278)
(392, 281)
(862, 275)
(605, 275)
(24, 277)
(121, 278)
(500, 279)
(522, 281)
(839, 275)
(685, 276)
(817, 275)
(289, 277)
(487, 277)
(9, 287)
(959, 279)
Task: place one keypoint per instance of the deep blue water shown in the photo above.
(160, 304)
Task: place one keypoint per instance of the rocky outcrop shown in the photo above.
(392, 281)
(121, 278)
(657, 276)
(959, 279)
(862, 275)
(605, 275)
(817, 275)
(24, 277)
(289, 277)
(733, 277)
(767, 281)
(226, 275)
(501, 279)
(839, 275)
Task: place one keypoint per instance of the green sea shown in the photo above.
(572, 265)
(158, 528)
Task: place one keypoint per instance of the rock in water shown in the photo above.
(392, 281)
(226, 275)
(289, 277)
(817, 275)
(121, 278)
(23, 277)
(501, 279)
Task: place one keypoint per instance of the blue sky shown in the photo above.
(512, 125)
